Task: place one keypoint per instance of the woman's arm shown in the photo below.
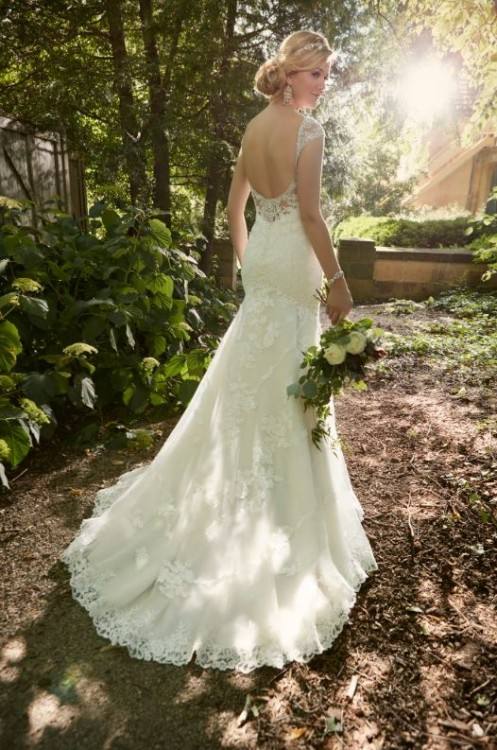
(309, 170)
(237, 199)
(309, 167)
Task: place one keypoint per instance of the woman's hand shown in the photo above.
(339, 301)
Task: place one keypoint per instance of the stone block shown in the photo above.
(357, 256)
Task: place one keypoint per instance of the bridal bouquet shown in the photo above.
(340, 359)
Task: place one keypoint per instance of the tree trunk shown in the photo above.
(133, 153)
(216, 165)
(158, 114)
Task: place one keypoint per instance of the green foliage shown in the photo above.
(466, 28)
(115, 315)
(364, 153)
(403, 307)
(484, 229)
(465, 343)
(400, 232)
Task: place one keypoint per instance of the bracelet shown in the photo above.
(338, 275)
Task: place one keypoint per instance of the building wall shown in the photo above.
(453, 189)
(457, 175)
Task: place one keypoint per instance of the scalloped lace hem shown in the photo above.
(124, 631)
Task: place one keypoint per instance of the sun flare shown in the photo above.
(427, 89)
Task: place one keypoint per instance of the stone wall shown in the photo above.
(379, 273)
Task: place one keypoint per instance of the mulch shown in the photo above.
(415, 666)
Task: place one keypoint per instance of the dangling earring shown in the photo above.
(287, 94)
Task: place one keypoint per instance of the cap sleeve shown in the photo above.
(310, 129)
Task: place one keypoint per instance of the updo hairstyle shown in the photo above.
(298, 51)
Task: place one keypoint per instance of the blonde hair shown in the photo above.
(298, 51)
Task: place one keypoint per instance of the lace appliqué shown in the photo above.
(273, 209)
(253, 486)
(260, 332)
(285, 204)
(141, 558)
(105, 497)
(166, 514)
(280, 552)
(175, 579)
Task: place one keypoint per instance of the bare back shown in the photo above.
(268, 147)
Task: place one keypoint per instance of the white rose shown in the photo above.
(357, 343)
(335, 354)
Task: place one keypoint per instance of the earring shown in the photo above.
(287, 94)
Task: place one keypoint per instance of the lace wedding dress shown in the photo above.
(241, 541)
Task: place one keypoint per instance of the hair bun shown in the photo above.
(269, 77)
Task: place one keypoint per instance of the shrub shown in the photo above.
(484, 231)
(117, 314)
(401, 232)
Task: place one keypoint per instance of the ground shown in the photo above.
(413, 668)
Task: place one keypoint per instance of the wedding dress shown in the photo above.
(241, 541)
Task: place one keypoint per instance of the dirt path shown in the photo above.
(418, 656)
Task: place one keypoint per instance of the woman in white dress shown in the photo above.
(241, 543)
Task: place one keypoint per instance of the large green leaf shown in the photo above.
(18, 440)
(10, 345)
(160, 232)
(110, 219)
(93, 327)
(43, 387)
(88, 393)
(161, 284)
(174, 366)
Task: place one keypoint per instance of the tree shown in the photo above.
(468, 27)
(156, 97)
(130, 130)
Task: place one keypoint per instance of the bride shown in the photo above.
(241, 542)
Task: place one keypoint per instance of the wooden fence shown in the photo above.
(38, 167)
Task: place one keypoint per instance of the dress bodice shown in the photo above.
(287, 202)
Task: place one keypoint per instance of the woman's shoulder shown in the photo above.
(311, 127)
(264, 123)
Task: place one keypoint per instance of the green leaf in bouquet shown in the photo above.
(293, 390)
(309, 389)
